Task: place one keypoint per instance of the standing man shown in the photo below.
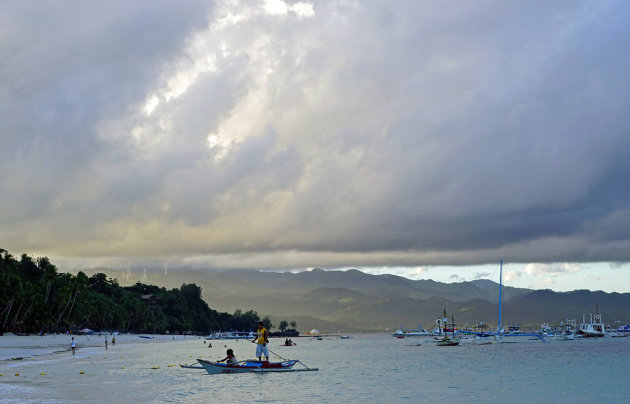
(262, 338)
(73, 344)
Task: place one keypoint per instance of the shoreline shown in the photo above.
(15, 348)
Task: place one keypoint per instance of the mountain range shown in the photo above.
(353, 301)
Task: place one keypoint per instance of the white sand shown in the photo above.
(33, 346)
(48, 372)
(27, 347)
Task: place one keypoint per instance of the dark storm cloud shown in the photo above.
(292, 134)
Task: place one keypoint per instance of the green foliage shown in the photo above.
(34, 298)
(283, 325)
(267, 322)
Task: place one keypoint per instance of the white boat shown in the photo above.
(403, 332)
(566, 332)
(622, 331)
(518, 336)
(232, 335)
(594, 328)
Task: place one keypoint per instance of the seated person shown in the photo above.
(230, 358)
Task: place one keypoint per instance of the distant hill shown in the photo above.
(350, 301)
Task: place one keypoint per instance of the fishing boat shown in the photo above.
(444, 339)
(622, 331)
(565, 332)
(594, 328)
(249, 366)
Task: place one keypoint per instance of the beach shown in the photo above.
(43, 368)
(30, 347)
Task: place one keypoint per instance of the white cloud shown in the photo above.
(554, 269)
(511, 275)
(417, 271)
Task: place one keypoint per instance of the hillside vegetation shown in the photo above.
(346, 301)
(34, 297)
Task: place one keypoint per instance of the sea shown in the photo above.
(374, 368)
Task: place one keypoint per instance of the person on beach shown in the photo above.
(262, 338)
(114, 340)
(73, 344)
(230, 358)
(106, 343)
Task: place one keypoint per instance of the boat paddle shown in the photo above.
(284, 359)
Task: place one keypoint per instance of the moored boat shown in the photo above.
(232, 335)
(445, 339)
(594, 328)
(409, 332)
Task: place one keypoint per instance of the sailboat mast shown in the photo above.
(500, 291)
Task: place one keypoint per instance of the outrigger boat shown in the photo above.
(446, 340)
(249, 366)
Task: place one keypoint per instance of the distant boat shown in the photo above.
(566, 332)
(410, 332)
(232, 335)
(622, 331)
(594, 328)
(443, 339)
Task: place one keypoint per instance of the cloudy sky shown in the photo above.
(413, 137)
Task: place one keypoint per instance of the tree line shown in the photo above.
(34, 298)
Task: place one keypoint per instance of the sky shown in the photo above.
(419, 138)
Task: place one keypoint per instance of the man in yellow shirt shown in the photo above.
(262, 338)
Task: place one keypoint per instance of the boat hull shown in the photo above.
(587, 334)
(519, 338)
(215, 368)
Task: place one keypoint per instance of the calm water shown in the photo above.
(366, 368)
